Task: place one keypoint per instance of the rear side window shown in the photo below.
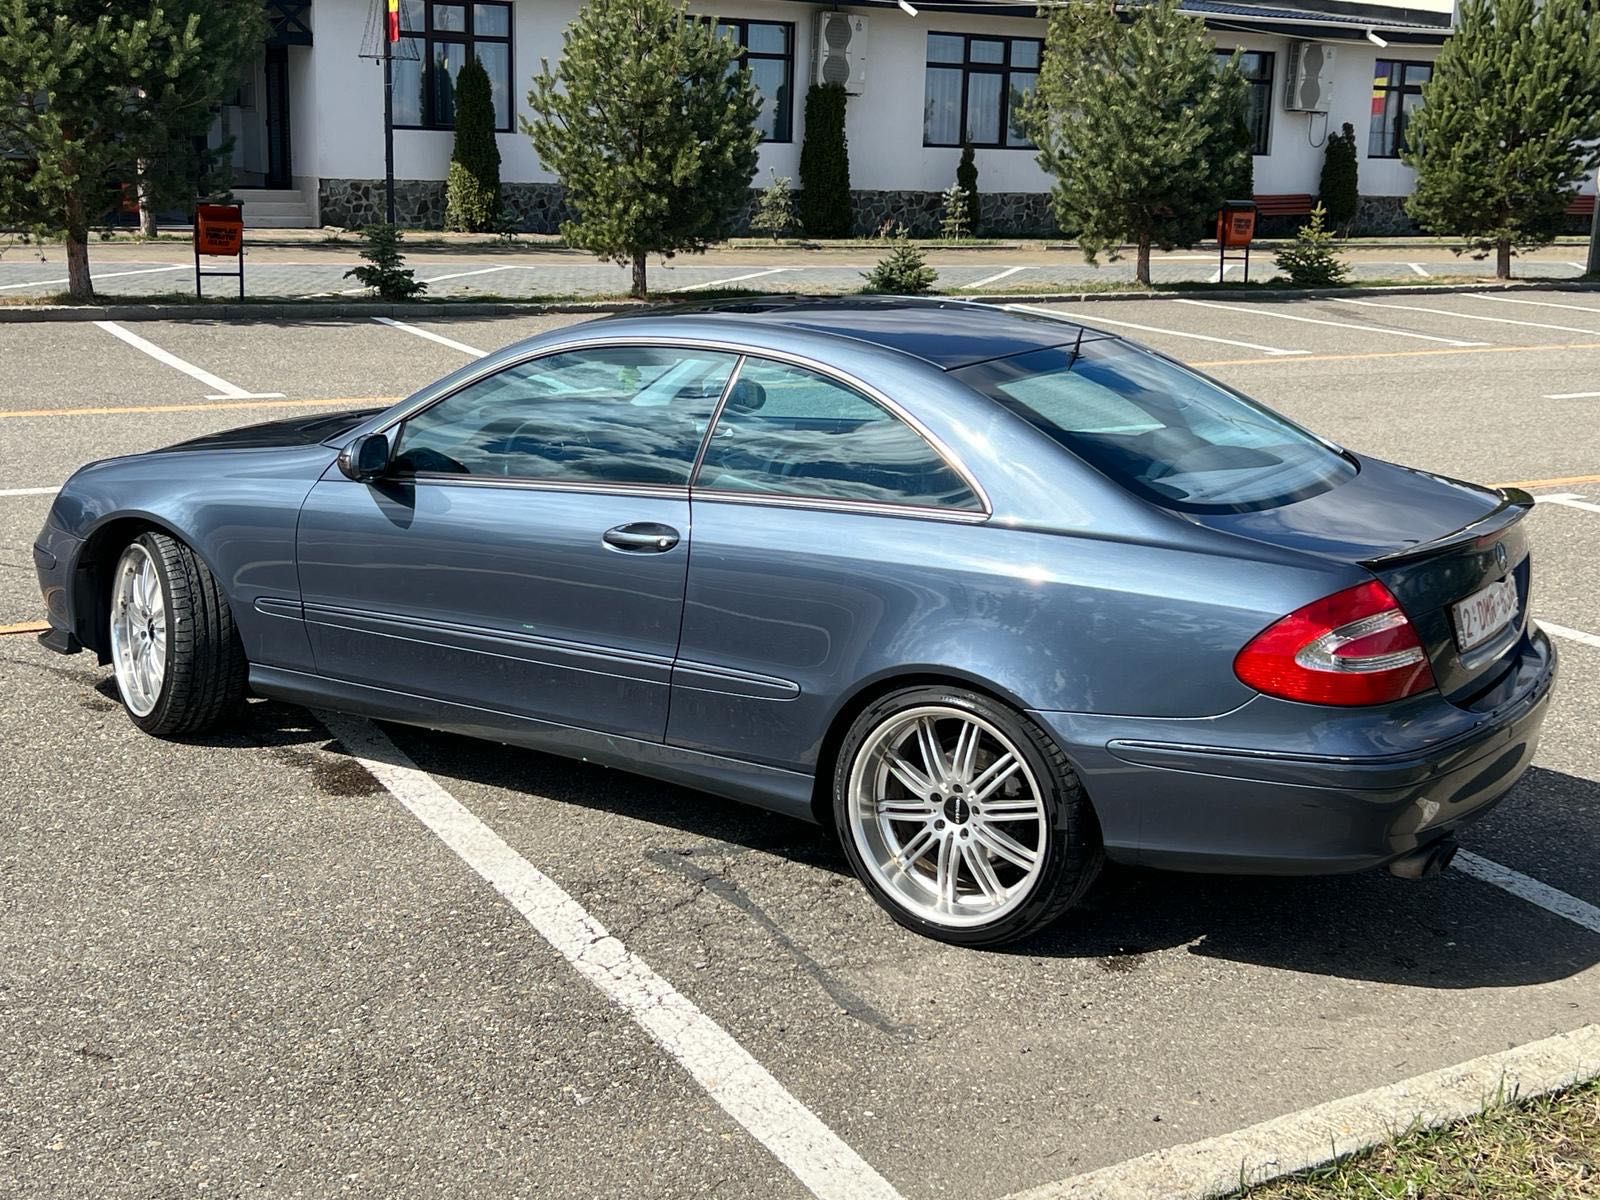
(787, 431)
(614, 414)
(1161, 430)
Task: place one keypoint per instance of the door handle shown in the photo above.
(642, 537)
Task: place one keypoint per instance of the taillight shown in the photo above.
(1353, 647)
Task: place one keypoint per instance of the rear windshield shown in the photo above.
(1161, 430)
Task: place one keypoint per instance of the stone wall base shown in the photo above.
(542, 207)
(1002, 214)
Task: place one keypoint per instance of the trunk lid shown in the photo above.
(1433, 542)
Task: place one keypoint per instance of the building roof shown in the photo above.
(1311, 14)
(1306, 18)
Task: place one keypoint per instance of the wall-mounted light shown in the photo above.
(907, 9)
(1377, 41)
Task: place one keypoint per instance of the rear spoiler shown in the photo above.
(1514, 505)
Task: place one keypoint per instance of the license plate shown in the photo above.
(1485, 613)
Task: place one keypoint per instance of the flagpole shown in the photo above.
(390, 36)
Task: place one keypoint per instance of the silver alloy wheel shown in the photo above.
(948, 816)
(138, 630)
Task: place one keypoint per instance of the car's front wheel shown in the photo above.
(180, 668)
(963, 819)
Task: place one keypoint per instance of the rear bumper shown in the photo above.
(1226, 801)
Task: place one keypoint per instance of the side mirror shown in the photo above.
(366, 458)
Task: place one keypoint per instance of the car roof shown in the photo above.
(945, 333)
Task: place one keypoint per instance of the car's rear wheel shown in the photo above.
(179, 665)
(963, 819)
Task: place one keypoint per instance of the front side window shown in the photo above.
(626, 415)
(787, 431)
(974, 88)
(438, 39)
(1256, 67)
(769, 55)
(1160, 430)
(1396, 94)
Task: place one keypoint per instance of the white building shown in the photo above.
(309, 125)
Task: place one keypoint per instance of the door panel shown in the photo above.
(499, 596)
(791, 604)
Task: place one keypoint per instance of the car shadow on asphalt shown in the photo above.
(1450, 933)
(263, 723)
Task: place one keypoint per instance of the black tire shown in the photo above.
(206, 672)
(1071, 842)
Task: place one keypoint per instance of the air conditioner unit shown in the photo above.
(841, 50)
(1309, 86)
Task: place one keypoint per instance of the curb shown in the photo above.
(300, 310)
(296, 310)
(1287, 1145)
(1276, 294)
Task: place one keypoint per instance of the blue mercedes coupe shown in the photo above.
(991, 594)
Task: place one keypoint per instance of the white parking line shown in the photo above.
(1572, 395)
(1178, 333)
(97, 275)
(1006, 274)
(1526, 887)
(431, 336)
(224, 389)
(470, 274)
(1572, 635)
(1262, 310)
(1419, 269)
(746, 1090)
(1570, 499)
(1450, 312)
(436, 279)
(700, 287)
(49, 491)
(1221, 273)
(1579, 265)
(1534, 303)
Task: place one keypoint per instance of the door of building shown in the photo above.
(280, 168)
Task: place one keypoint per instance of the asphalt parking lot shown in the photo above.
(242, 965)
(314, 270)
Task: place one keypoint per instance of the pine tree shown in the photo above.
(1508, 125)
(89, 91)
(825, 164)
(967, 180)
(1144, 134)
(775, 208)
(1339, 190)
(904, 271)
(388, 275)
(1310, 261)
(472, 190)
(954, 225)
(650, 124)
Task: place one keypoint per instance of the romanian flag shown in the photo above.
(394, 21)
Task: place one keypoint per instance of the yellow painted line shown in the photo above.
(1564, 481)
(109, 410)
(1311, 358)
(24, 627)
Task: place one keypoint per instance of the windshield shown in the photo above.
(1161, 430)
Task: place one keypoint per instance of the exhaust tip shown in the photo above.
(1427, 863)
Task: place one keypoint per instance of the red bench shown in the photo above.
(1581, 206)
(1288, 205)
